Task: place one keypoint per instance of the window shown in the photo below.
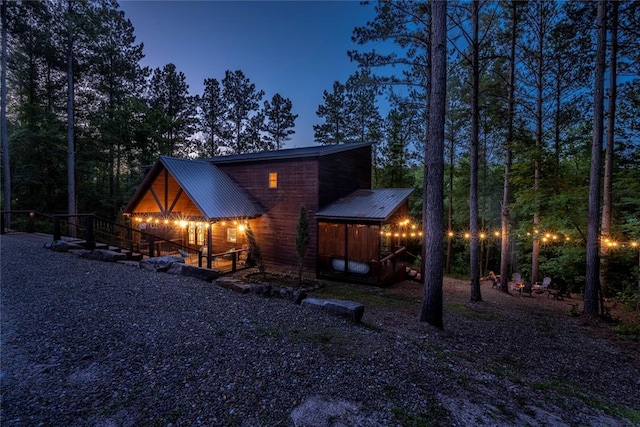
(192, 233)
(231, 235)
(273, 179)
(200, 234)
(196, 233)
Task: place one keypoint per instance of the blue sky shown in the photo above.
(295, 48)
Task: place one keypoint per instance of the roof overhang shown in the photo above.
(212, 191)
(365, 206)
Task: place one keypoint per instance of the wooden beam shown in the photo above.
(175, 201)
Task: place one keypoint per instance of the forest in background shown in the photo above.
(519, 93)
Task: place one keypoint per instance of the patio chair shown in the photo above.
(516, 283)
(541, 287)
(495, 282)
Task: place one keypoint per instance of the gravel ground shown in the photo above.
(101, 344)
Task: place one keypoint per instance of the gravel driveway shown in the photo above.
(102, 344)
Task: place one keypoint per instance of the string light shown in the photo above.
(405, 229)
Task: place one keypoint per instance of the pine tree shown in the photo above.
(334, 112)
(361, 92)
(244, 119)
(280, 121)
(4, 135)
(117, 80)
(172, 110)
(592, 276)
(434, 171)
(212, 117)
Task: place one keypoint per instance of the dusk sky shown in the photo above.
(295, 48)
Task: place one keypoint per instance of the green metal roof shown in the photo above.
(289, 153)
(211, 190)
(366, 205)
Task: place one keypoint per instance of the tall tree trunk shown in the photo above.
(425, 175)
(609, 151)
(434, 169)
(474, 259)
(535, 253)
(450, 205)
(592, 277)
(505, 214)
(4, 134)
(71, 161)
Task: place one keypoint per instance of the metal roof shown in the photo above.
(289, 153)
(215, 194)
(369, 205)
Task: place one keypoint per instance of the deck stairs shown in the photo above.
(131, 256)
(413, 275)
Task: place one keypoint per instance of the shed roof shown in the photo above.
(366, 205)
(289, 153)
(213, 192)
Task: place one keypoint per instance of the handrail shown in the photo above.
(92, 229)
(6, 222)
(394, 254)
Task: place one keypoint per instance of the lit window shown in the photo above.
(273, 179)
(231, 235)
(192, 233)
(200, 234)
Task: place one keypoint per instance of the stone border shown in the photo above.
(175, 265)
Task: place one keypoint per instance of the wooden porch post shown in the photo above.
(346, 248)
(32, 222)
(57, 231)
(91, 236)
(209, 245)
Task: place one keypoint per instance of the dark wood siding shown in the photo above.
(297, 185)
(342, 173)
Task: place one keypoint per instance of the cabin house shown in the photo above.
(215, 205)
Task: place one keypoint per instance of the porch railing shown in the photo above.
(390, 266)
(388, 269)
(91, 230)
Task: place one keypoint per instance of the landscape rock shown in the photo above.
(58, 246)
(193, 271)
(161, 263)
(351, 309)
(319, 412)
(233, 285)
(103, 255)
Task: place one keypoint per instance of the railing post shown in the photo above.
(209, 247)
(31, 223)
(57, 233)
(152, 245)
(234, 257)
(130, 238)
(91, 235)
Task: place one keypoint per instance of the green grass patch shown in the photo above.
(332, 343)
(627, 330)
(508, 367)
(270, 332)
(568, 389)
(471, 312)
(431, 417)
(370, 296)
